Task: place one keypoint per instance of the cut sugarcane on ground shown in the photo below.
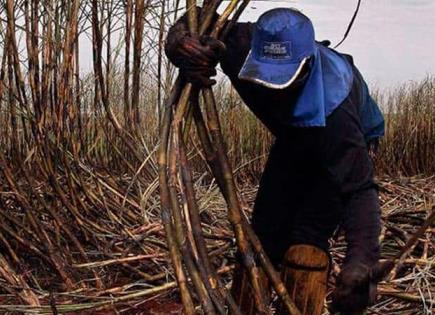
(140, 280)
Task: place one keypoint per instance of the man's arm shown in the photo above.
(238, 45)
(347, 161)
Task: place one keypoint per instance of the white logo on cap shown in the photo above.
(277, 50)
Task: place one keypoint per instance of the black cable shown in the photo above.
(350, 24)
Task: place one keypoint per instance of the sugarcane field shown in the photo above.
(235, 157)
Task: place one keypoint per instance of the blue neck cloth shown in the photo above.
(327, 86)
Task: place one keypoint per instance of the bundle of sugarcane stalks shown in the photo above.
(180, 212)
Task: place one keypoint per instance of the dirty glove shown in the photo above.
(201, 59)
(355, 290)
(196, 58)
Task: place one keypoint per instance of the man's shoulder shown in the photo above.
(238, 44)
(349, 58)
(358, 78)
(241, 32)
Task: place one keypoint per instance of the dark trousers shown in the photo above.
(314, 180)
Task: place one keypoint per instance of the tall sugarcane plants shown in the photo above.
(180, 212)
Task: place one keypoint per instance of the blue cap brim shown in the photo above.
(274, 76)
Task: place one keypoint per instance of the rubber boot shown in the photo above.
(241, 290)
(305, 275)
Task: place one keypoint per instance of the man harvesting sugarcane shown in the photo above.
(319, 174)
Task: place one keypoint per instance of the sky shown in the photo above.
(392, 41)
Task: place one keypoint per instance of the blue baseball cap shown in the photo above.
(282, 43)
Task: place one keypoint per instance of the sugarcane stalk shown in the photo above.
(185, 247)
(234, 19)
(207, 15)
(204, 266)
(395, 264)
(233, 203)
(174, 251)
(235, 214)
(203, 133)
(234, 206)
(213, 162)
(182, 108)
(189, 193)
(223, 18)
(270, 271)
(180, 113)
(216, 156)
(182, 240)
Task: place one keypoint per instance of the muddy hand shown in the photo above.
(195, 57)
(355, 290)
